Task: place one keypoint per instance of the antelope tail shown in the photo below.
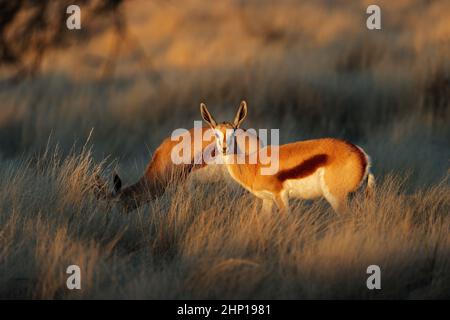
(370, 188)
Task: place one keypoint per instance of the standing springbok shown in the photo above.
(158, 175)
(329, 168)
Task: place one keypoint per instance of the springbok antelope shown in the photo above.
(329, 168)
(159, 173)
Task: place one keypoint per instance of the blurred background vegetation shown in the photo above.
(139, 69)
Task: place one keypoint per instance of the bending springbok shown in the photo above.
(159, 173)
(329, 168)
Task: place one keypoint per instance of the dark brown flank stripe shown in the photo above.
(304, 169)
(362, 157)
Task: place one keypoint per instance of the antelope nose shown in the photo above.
(224, 150)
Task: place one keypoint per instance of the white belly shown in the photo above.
(306, 188)
(263, 194)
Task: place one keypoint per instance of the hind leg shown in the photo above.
(337, 200)
(339, 204)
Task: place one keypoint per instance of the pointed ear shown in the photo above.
(207, 116)
(241, 114)
(117, 183)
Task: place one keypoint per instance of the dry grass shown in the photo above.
(193, 243)
(319, 75)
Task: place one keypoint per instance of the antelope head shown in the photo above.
(101, 191)
(225, 132)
